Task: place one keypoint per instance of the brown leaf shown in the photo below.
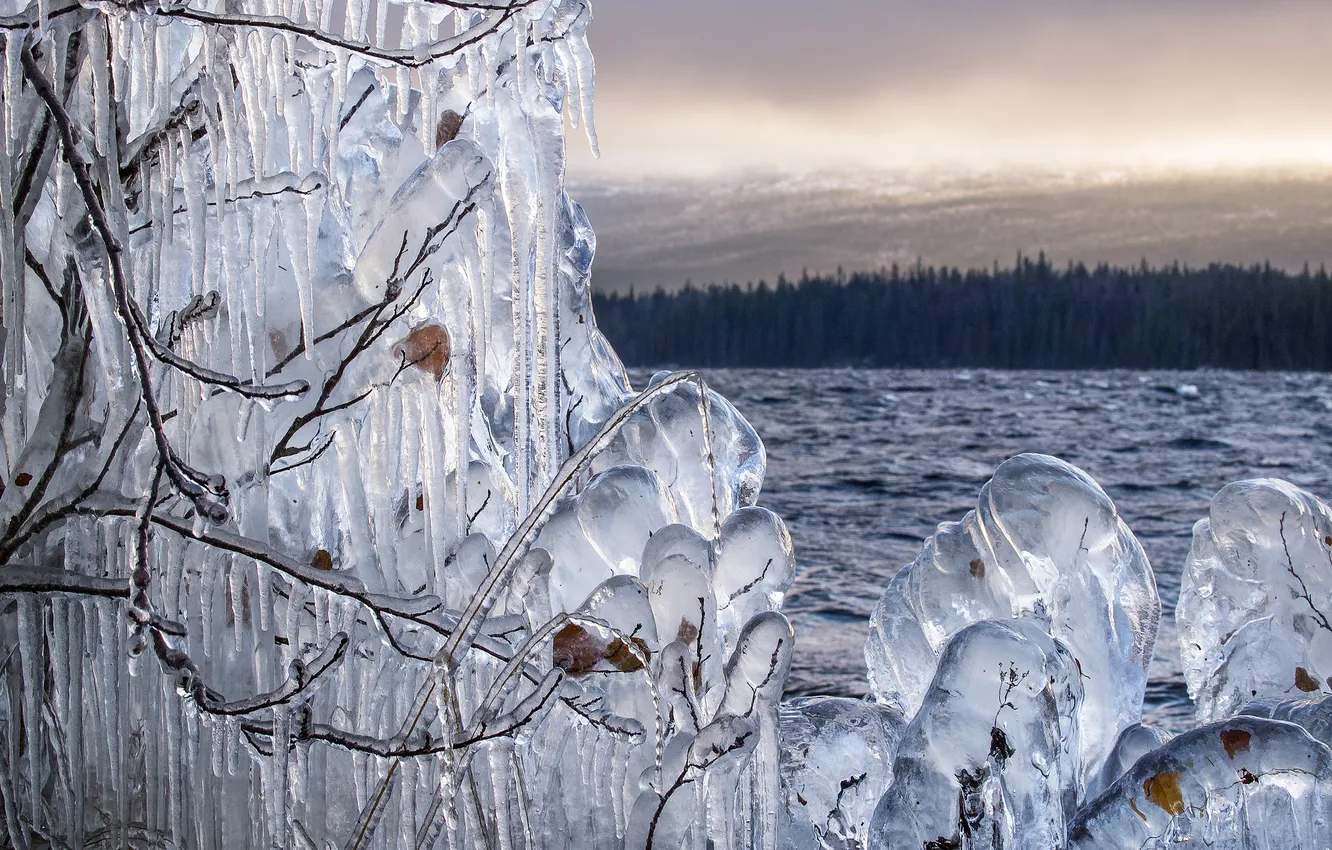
(426, 348)
(688, 632)
(579, 651)
(322, 560)
(23, 479)
(447, 128)
(576, 651)
(1133, 804)
(1163, 790)
(622, 658)
(278, 341)
(978, 568)
(1235, 741)
(1304, 681)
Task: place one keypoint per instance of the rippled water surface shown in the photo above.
(862, 464)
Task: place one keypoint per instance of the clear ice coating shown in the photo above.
(1255, 598)
(328, 518)
(1045, 542)
(837, 760)
(992, 757)
(1239, 783)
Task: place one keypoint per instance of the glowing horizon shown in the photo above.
(1175, 86)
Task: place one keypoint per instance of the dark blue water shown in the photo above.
(862, 464)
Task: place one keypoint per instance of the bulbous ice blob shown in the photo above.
(686, 613)
(1240, 783)
(1313, 714)
(1132, 744)
(837, 760)
(711, 472)
(992, 756)
(754, 566)
(1044, 540)
(594, 378)
(756, 672)
(1255, 603)
(489, 501)
(602, 531)
(677, 540)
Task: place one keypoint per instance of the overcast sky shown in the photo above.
(706, 86)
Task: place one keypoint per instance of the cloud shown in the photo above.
(695, 86)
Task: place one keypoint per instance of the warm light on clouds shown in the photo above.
(695, 88)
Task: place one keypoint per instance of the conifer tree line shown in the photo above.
(1031, 315)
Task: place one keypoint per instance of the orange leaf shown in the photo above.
(426, 348)
(1163, 790)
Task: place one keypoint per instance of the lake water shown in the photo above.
(863, 464)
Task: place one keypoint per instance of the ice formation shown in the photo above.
(329, 519)
(1045, 542)
(837, 760)
(1255, 598)
(991, 759)
(1239, 783)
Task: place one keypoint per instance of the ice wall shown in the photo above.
(1044, 542)
(1255, 598)
(329, 517)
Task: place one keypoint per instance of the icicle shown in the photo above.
(231, 737)
(381, 22)
(237, 602)
(13, 87)
(217, 737)
(584, 84)
(277, 785)
(264, 582)
(196, 212)
(30, 644)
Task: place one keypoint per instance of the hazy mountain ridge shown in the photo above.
(659, 233)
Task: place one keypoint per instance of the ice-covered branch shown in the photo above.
(378, 319)
(22, 578)
(410, 57)
(302, 675)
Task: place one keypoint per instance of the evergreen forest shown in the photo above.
(1031, 315)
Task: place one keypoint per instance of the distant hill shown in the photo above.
(654, 233)
(1030, 315)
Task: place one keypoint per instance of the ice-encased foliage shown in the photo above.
(837, 760)
(1044, 541)
(1255, 598)
(329, 518)
(1311, 713)
(1239, 783)
(992, 757)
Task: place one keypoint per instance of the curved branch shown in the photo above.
(414, 57)
(302, 676)
(22, 578)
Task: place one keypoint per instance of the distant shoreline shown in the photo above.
(1030, 315)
